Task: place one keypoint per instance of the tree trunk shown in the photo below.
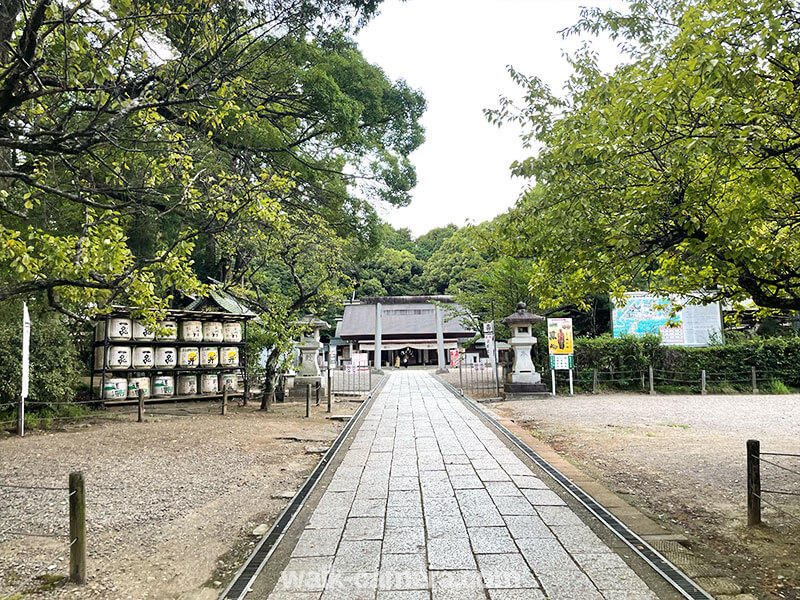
(270, 372)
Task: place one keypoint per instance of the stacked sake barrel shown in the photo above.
(179, 358)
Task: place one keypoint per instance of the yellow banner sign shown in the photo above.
(559, 336)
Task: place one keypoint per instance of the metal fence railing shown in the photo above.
(653, 380)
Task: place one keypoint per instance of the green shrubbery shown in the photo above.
(55, 368)
(776, 360)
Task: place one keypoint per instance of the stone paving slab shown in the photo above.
(429, 504)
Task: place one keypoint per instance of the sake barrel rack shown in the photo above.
(104, 373)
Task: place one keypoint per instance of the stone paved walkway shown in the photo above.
(429, 503)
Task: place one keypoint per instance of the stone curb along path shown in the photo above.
(428, 503)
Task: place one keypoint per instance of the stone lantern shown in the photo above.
(308, 371)
(524, 379)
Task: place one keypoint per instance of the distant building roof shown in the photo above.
(403, 317)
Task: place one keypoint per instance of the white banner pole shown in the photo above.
(26, 348)
(570, 383)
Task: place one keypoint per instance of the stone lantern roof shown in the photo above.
(313, 321)
(522, 316)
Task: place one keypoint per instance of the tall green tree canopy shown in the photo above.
(128, 130)
(680, 170)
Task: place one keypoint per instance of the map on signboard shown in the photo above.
(693, 325)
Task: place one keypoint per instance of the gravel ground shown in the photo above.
(683, 458)
(165, 499)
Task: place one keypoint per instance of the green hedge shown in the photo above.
(776, 358)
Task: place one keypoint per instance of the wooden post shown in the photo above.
(140, 394)
(21, 416)
(753, 482)
(703, 381)
(308, 400)
(316, 391)
(77, 529)
(755, 380)
(224, 402)
(652, 385)
(460, 375)
(594, 381)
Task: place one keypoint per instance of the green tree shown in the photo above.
(285, 269)
(454, 263)
(129, 132)
(676, 172)
(397, 272)
(428, 243)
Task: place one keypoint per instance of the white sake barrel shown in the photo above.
(115, 388)
(229, 381)
(170, 329)
(192, 331)
(119, 330)
(229, 356)
(212, 331)
(187, 385)
(118, 357)
(138, 383)
(141, 333)
(209, 357)
(209, 383)
(163, 385)
(232, 331)
(143, 357)
(189, 357)
(166, 356)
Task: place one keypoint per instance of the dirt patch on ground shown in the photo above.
(682, 460)
(171, 503)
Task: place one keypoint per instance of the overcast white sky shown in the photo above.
(456, 52)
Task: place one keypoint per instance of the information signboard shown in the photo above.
(561, 362)
(641, 313)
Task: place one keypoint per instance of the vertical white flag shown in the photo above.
(26, 349)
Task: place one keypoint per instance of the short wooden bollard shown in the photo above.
(753, 482)
(594, 381)
(20, 416)
(703, 382)
(140, 394)
(225, 402)
(755, 380)
(316, 391)
(308, 400)
(652, 384)
(77, 529)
